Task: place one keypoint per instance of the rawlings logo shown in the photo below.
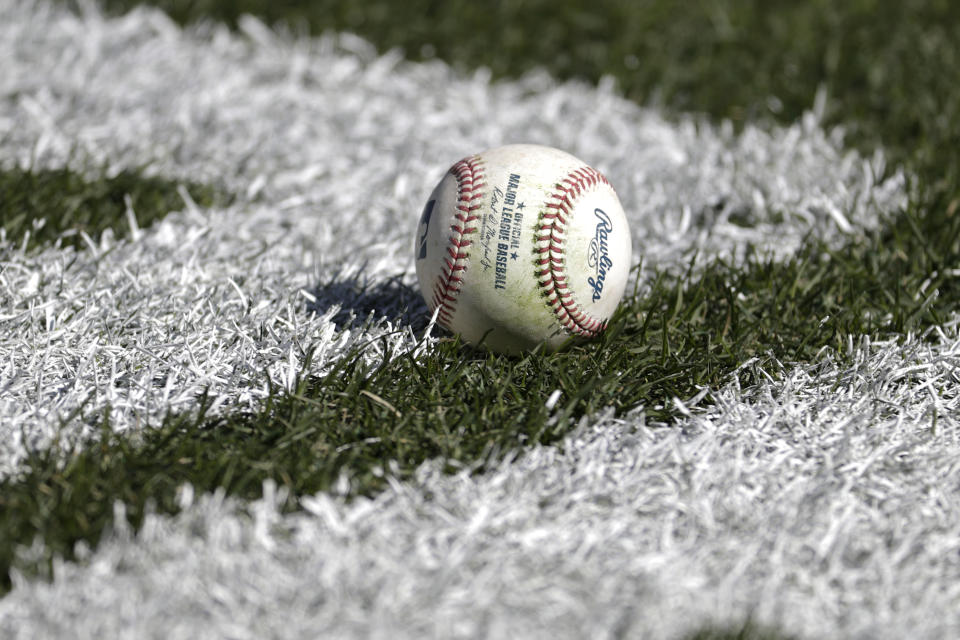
(598, 254)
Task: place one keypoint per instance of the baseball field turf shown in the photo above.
(224, 412)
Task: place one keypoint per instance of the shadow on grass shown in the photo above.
(360, 300)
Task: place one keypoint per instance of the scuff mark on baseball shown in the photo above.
(523, 245)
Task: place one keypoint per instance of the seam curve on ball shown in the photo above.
(469, 173)
(551, 260)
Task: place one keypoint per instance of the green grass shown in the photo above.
(42, 206)
(749, 631)
(891, 68)
(893, 78)
(466, 406)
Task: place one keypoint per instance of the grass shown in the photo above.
(890, 68)
(892, 74)
(39, 207)
(466, 406)
(748, 631)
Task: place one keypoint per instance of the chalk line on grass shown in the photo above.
(331, 149)
(825, 504)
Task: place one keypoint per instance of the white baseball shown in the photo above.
(523, 245)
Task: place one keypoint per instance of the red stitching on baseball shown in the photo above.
(551, 271)
(470, 184)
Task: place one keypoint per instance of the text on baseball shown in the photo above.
(509, 232)
(598, 254)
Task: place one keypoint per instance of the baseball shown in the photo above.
(520, 246)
